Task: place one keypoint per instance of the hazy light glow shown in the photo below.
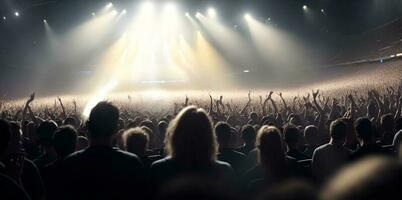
(17, 14)
(247, 16)
(212, 12)
(44, 21)
(4, 17)
(305, 7)
(198, 15)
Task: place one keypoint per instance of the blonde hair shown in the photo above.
(271, 149)
(190, 137)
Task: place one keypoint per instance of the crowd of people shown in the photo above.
(311, 147)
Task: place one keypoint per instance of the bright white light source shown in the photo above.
(5, 18)
(147, 6)
(247, 16)
(170, 7)
(124, 11)
(187, 14)
(44, 21)
(109, 5)
(17, 14)
(322, 11)
(198, 15)
(93, 14)
(305, 7)
(211, 12)
(246, 71)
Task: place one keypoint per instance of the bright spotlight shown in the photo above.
(247, 16)
(44, 21)
(305, 7)
(17, 14)
(124, 11)
(187, 14)
(211, 12)
(198, 15)
(246, 71)
(109, 5)
(4, 17)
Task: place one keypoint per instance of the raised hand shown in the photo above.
(31, 98)
(315, 94)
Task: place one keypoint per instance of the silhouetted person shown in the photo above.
(191, 147)
(328, 158)
(30, 177)
(45, 134)
(10, 180)
(64, 143)
(387, 126)
(101, 171)
(292, 138)
(136, 141)
(312, 138)
(274, 166)
(226, 152)
(248, 135)
(366, 135)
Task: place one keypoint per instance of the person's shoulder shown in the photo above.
(222, 165)
(74, 156)
(161, 162)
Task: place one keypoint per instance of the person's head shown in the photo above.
(5, 133)
(162, 126)
(136, 141)
(364, 130)
(292, 136)
(223, 134)
(45, 133)
(190, 137)
(269, 143)
(72, 121)
(103, 120)
(311, 135)
(253, 117)
(338, 131)
(148, 123)
(248, 135)
(387, 122)
(65, 141)
(397, 142)
(371, 178)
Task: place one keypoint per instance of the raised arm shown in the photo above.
(247, 104)
(62, 108)
(24, 112)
